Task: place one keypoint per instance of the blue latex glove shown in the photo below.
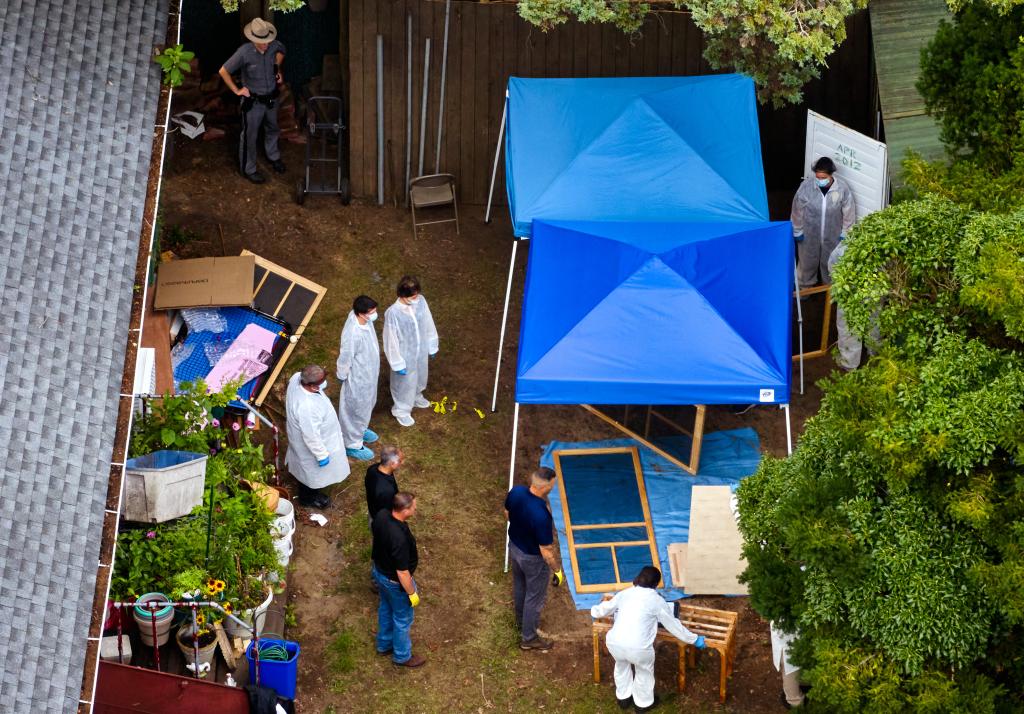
(433, 355)
(842, 236)
(324, 461)
(402, 371)
(799, 238)
(699, 644)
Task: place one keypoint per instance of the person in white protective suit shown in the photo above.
(358, 369)
(792, 694)
(410, 342)
(315, 454)
(638, 612)
(850, 346)
(823, 212)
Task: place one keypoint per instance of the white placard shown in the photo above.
(861, 162)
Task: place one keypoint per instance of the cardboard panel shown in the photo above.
(204, 282)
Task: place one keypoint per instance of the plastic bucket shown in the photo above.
(278, 675)
(162, 616)
(283, 524)
(284, 548)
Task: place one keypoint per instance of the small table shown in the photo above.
(717, 626)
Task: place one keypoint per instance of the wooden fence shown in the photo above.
(488, 42)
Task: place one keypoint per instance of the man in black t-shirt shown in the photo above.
(394, 562)
(380, 482)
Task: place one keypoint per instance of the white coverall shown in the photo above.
(409, 339)
(313, 435)
(790, 674)
(849, 344)
(821, 218)
(631, 639)
(359, 368)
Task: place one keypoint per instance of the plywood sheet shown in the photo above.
(713, 555)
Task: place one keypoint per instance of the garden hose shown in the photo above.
(272, 652)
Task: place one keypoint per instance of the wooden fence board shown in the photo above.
(488, 42)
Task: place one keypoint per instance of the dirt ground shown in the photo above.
(457, 464)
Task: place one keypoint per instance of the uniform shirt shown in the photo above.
(380, 490)
(529, 520)
(257, 68)
(394, 547)
(638, 611)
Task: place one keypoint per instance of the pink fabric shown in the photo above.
(247, 358)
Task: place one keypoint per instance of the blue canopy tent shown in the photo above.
(655, 275)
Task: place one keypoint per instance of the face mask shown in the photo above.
(323, 385)
(822, 183)
(372, 317)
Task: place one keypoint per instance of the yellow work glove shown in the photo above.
(414, 599)
(557, 578)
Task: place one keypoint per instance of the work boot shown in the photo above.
(278, 166)
(256, 177)
(412, 662)
(537, 643)
(626, 703)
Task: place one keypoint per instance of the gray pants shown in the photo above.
(258, 114)
(813, 256)
(530, 576)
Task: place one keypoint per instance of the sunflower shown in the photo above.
(200, 618)
(228, 609)
(218, 586)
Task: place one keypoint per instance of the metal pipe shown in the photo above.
(512, 470)
(800, 324)
(380, 120)
(277, 437)
(423, 110)
(440, 101)
(789, 431)
(408, 107)
(504, 319)
(497, 154)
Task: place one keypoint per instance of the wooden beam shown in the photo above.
(632, 434)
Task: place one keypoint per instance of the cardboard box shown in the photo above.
(205, 282)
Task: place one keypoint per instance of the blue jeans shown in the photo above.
(394, 619)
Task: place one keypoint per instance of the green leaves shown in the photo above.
(175, 63)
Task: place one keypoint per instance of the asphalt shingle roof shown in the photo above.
(78, 96)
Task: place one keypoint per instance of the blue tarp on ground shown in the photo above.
(726, 458)
(633, 148)
(657, 313)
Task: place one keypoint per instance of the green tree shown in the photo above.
(972, 79)
(781, 44)
(893, 539)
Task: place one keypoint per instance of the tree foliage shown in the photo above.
(781, 44)
(972, 79)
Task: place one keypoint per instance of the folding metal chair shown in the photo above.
(433, 191)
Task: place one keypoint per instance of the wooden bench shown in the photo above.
(717, 626)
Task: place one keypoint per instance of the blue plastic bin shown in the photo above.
(279, 676)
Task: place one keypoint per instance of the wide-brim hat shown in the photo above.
(261, 31)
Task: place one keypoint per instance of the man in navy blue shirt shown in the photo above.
(531, 538)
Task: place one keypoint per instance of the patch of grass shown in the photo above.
(341, 654)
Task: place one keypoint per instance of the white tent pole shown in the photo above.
(512, 470)
(504, 319)
(497, 153)
(800, 323)
(789, 432)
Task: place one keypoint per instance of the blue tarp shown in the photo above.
(726, 457)
(633, 148)
(657, 313)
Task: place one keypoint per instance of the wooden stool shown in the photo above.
(717, 626)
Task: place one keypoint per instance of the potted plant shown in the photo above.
(198, 643)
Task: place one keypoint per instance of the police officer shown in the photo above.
(259, 62)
